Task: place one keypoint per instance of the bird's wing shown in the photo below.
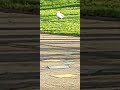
(62, 15)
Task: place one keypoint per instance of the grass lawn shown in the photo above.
(107, 8)
(23, 5)
(49, 23)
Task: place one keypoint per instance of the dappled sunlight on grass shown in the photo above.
(69, 25)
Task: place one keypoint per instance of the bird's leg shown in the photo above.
(58, 18)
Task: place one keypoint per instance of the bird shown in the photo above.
(60, 15)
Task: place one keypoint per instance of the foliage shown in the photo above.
(109, 8)
(29, 5)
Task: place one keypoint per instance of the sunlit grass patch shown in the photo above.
(69, 25)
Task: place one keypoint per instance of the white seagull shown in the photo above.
(60, 15)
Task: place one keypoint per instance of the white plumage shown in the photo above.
(60, 15)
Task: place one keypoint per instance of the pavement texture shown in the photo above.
(100, 55)
(19, 51)
(58, 50)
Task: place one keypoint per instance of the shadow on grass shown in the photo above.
(67, 18)
(60, 33)
(74, 15)
(57, 7)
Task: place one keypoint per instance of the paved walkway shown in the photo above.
(100, 55)
(57, 50)
(97, 56)
(19, 51)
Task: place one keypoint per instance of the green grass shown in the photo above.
(49, 23)
(108, 8)
(23, 5)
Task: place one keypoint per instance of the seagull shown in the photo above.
(60, 15)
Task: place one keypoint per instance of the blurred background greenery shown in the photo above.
(108, 8)
(23, 5)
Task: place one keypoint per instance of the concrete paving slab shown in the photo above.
(62, 48)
